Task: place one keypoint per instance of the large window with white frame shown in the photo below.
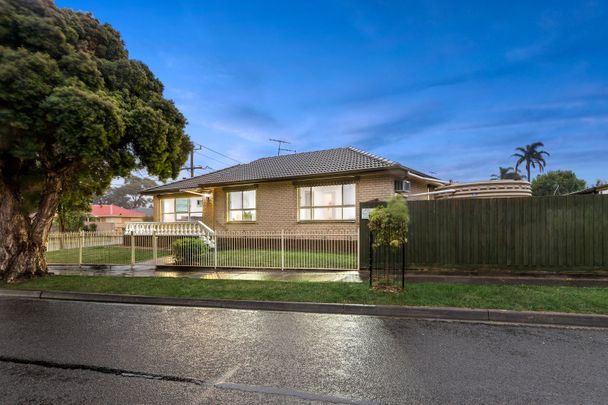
(182, 209)
(327, 203)
(241, 206)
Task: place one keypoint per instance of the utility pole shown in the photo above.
(192, 163)
(281, 148)
(192, 167)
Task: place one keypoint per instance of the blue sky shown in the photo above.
(448, 88)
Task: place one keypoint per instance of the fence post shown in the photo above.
(215, 250)
(403, 265)
(358, 266)
(282, 249)
(80, 246)
(132, 250)
(371, 257)
(154, 248)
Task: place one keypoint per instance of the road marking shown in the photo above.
(212, 383)
(263, 389)
(221, 379)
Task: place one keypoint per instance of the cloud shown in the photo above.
(252, 116)
(578, 45)
(395, 89)
(528, 52)
(542, 114)
(406, 123)
(591, 156)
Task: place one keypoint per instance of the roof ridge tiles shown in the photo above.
(371, 155)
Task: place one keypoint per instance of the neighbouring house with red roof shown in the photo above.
(109, 217)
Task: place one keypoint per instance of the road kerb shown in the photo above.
(5, 292)
(411, 312)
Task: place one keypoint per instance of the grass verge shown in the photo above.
(532, 298)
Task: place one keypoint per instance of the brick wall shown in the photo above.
(277, 205)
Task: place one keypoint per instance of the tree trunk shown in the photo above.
(22, 259)
(23, 237)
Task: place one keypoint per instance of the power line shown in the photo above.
(219, 153)
(204, 170)
(192, 168)
(212, 158)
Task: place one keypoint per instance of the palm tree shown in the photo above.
(532, 156)
(506, 173)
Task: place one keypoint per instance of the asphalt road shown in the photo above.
(74, 352)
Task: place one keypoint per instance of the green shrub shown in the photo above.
(389, 224)
(189, 251)
(90, 228)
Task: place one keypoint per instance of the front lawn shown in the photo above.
(295, 259)
(251, 258)
(111, 254)
(534, 298)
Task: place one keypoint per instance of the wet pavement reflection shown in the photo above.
(210, 274)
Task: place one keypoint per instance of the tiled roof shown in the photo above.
(105, 210)
(297, 165)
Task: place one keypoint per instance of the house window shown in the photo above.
(182, 209)
(242, 206)
(327, 203)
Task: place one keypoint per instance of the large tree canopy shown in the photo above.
(557, 182)
(75, 112)
(128, 195)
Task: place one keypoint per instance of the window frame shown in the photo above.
(312, 205)
(229, 210)
(174, 211)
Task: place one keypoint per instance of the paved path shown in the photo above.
(112, 353)
(149, 271)
(351, 276)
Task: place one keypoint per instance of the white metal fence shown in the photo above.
(98, 248)
(333, 250)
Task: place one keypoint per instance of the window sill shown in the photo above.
(241, 222)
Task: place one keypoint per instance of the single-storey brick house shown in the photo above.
(311, 191)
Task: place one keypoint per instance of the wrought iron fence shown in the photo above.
(184, 245)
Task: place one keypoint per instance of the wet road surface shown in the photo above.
(74, 352)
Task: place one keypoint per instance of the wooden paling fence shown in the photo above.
(538, 232)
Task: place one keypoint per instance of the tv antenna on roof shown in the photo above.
(281, 148)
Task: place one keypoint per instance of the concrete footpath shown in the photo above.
(412, 312)
(350, 276)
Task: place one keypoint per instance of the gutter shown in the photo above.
(428, 179)
(195, 193)
(275, 179)
(449, 190)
